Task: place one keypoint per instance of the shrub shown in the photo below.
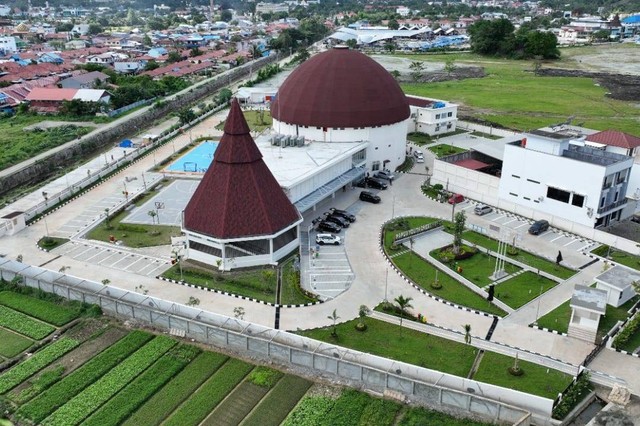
(576, 392)
(438, 187)
(264, 377)
(629, 330)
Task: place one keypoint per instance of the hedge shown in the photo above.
(16, 375)
(86, 402)
(58, 394)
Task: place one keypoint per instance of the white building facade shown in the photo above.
(565, 179)
(432, 116)
(8, 45)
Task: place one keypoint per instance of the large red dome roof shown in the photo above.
(340, 88)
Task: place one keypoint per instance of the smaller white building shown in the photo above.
(8, 45)
(432, 116)
(587, 306)
(271, 8)
(618, 283)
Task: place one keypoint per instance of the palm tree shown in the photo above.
(153, 215)
(363, 311)
(334, 317)
(403, 304)
(467, 333)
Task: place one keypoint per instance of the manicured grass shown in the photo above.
(523, 256)
(442, 150)
(142, 388)
(44, 310)
(417, 416)
(17, 374)
(485, 135)
(256, 283)
(12, 343)
(613, 315)
(181, 387)
(478, 268)
(290, 292)
(23, 324)
(510, 96)
(419, 138)
(619, 256)
(210, 394)
(254, 121)
(49, 243)
(59, 393)
(275, 407)
(521, 289)
(535, 380)
(86, 402)
(402, 225)
(413, 347)
(133, 235)
(558, 319)
(424, 274)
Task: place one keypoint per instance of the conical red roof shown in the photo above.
(238, 196)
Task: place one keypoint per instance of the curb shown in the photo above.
(548, 330)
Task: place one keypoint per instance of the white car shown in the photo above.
(385, 174)
(418, 156)
(323, 239)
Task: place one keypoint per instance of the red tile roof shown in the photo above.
(45, 94)
(471, 164)
(417, 102)
(615, 138)
(238, 196)
(340, 88)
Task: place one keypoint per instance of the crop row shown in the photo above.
(236, 406)
(309, 412)
(13, 343)
(58, 394)
(130, 398)
(36, 384)
(86, 402)
(196, 408)
(348, 407)
(16, 375)
(162, 404)
(273, 409)
(23, 324)
(44, 310)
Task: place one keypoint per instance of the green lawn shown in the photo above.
(520, 290)
(133, 235)
(256, 120)
(442, 150)
(523, 256)
(49, 243)
(619, 256)
(424, 274)
(257, 283)
(510, 96)
(419, 138)
(559, 318)
(387, 340)
(536, 380)
(478, 268)
(291, 293)
(12, 343)
(402, 225)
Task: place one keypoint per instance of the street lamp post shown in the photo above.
(44, 217)
(386, 283)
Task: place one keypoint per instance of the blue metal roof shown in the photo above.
(634, 19)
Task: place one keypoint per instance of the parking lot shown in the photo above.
(87, 217)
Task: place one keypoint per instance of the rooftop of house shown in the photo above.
(589, 298)
(619, 277)
(614, 138)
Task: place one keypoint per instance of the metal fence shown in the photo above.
(307, 356)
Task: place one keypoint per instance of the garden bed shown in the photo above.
(523, 288)
(477, 268)
(443, 150)
(132, 235)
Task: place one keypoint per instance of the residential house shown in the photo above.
(432, 116)
(75, 44)
(129, 66)
(50, 100)
(8, 45)
(80, 29)
(84, 81)
(618, 281)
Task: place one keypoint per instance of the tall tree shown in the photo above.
(458, 228)
(403, 303)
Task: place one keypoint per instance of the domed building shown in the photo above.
(342, 95)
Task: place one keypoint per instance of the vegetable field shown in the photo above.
(95, 373)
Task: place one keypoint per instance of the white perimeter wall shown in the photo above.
(385, 142)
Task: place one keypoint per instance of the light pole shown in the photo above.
(386, 283)
(44, 216)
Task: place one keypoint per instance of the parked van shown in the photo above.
(482, 209)
(539, 227)
(417, 154)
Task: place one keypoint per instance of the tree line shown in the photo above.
(500, 38)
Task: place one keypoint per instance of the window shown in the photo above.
(515, 176)
(449, 126)
(437, 116)
(558, 194)
(450, 114)
(527, 198)
(437, 128)
(375, 166)
(511, 193)
(577, 200)
(533, 181)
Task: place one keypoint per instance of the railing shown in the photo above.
(415, 231)
(612, 206)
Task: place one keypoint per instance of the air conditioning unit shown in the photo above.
(300, 141)
(541, 198)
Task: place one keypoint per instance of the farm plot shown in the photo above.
(12, 343)
(43, 310)
(210, 394)
(285, 395)
(89, 400)
(57, 395)
(236, 406)
(24, 324)
(163, 403)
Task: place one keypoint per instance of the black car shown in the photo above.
(376, 183)
(539, 227)
(369, 197)
(338, 220)
(343, 213)
(328, 227)
(362, 183)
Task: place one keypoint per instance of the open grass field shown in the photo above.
(479, 267)
(12, 343)
(512, 96)
(537, 379)
(257, 120)
(619, 256)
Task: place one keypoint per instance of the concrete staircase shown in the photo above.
(582, 333)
